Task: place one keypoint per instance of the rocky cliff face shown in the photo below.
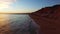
(48, 19)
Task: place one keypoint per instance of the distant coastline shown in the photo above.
(15, 13)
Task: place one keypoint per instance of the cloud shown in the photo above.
(6, 3)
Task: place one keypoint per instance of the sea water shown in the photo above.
(17, 24)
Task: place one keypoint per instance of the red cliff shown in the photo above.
(48, 19)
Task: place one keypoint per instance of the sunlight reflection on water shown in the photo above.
(3, 19)
(9, 22)
(16, 24)
(4, 27)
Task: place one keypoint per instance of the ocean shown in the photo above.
(17, 24)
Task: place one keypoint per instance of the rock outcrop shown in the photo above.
(48, 19)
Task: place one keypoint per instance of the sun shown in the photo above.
(5, 4)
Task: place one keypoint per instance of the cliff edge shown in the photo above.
(48, 19)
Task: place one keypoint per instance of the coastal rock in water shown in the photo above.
(48, 19)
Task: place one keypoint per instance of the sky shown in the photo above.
(25, 6)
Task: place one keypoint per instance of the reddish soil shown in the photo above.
(48, 19)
